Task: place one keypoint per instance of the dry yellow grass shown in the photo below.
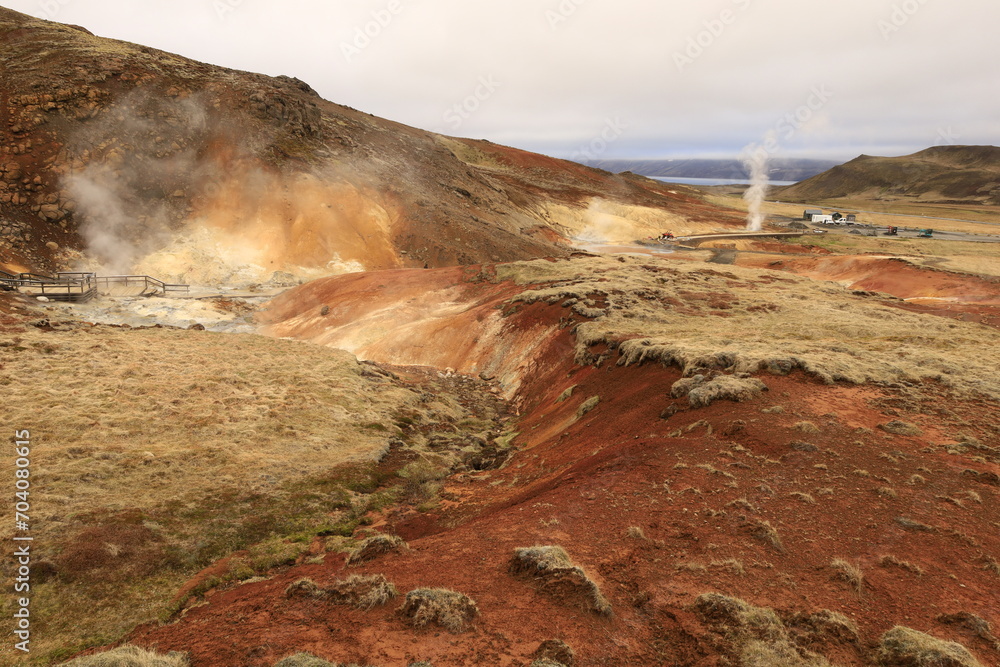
(157, 451)
(758, 637)
(850, 573)
(744, 320)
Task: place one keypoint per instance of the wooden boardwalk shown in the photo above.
(80, 287)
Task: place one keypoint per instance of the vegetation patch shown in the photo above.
(763, 531)
(552, 568)
(893, 561)
(650, 316)
(702, 391)
(758, 637)
(897, 427)
(850, 573)
(588, 405)
(452, 611)
(375, 546)
(304, 660)
(555, 651)
(131, 656)
(905, 647)
(360, 592)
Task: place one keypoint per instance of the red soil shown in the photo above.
(925, 290)
(696, 483)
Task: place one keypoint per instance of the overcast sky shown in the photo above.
(610, 78)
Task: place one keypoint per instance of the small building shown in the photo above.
(810, 212)
(823, 219)
(851, 217)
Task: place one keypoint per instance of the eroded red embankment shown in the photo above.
(695, 487)
(930, 291)
(444, 318)
(882, 274)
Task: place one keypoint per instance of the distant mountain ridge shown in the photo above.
(944, 174)
(784, 169)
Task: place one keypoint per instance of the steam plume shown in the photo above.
(755, 157)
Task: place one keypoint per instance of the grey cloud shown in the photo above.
(688, 78)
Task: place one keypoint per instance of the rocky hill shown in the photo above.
(944, 174)
(121, 151)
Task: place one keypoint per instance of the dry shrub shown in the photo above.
(905, 647)
(130, 656)
(691, 566)
(552, 566)
(910, 524)
(303, 588)
(304, 660)
(977, 625)
(850, 573)
(555, 651)
(892, 561)
(588, 405)
(742, 503)
(806, 427)
(702, 392)
(824, 626)
(360, 592)
(452, 611)
(768, 534)
(735, 566)
(804, 497)
(897, 427)
(375, 546)
(756, 635)
(636, 533)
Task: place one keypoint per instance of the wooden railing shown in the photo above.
(82, 285)
(147, 281)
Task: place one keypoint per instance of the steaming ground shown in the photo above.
(221, 311)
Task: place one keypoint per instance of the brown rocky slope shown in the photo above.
(942, 174)
(122, 150)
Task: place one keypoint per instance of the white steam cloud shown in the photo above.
(139, 152)
(755, 158)
(109, 226)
